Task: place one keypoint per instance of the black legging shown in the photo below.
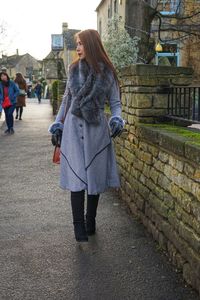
(19, 110)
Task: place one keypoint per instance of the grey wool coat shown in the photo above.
(87, 155)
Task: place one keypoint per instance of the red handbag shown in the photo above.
(56, 155)
(6, 102)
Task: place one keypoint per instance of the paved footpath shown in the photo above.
(39, 258)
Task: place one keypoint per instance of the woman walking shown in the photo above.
(21, 99)
(8, 97)
(38, 91)
(87, 156)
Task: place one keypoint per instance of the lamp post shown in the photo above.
(58, 66)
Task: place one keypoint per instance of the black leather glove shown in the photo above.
(116, 126)
(56, 137)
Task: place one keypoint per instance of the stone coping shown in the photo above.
(146, 70)
(171, 141)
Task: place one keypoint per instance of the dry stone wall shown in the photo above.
(160, 171)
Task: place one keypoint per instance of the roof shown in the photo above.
(51, 55)
(69, 38)
(10, 61)
(99, 5)
(13, 60)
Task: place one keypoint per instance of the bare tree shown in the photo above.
(2, 37)
(169, 20)
(184, 20)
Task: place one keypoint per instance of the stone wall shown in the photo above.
(160, 170)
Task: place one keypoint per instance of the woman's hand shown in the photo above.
(56, 137)
(116, 126)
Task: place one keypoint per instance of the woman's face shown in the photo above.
(80, 49)
(4, 77)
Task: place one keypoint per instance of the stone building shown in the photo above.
(106, 10)
(53, 67)
(69, 51)
(25, 64)
(131, 12)
(178, 49)
(56, 64)
(180, 40)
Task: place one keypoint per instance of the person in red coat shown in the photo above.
(8, 97)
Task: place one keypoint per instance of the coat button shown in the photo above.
(81, 125)
(82, 137)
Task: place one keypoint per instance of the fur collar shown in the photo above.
(87, 88)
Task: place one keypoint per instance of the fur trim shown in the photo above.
(87, 88)
(56, 125)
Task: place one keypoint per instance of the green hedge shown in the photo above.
(57, 92)
(54, 96)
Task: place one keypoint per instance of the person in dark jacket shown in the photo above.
(8, 97)
(87, 156)
(38, 91)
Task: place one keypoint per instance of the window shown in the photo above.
(100, 28)
(111, 8)
(115, 7)
(169, 7)
(109, 16)
(169, 56)
(29, 72)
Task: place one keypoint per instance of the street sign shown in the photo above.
(57, 42)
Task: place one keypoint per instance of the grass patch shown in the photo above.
(192, 136)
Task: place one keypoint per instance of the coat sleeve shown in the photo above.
(115, 107)
(64, 107)
(114, 100)
(16, 90)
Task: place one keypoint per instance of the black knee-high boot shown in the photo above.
(77, 203)
(92, 203)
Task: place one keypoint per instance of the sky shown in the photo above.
(29, 24)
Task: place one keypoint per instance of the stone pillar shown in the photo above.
(145, 89)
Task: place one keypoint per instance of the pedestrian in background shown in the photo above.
(29, 91)
(21, 99)
(8, 98)
(38, 91)
(87, 157)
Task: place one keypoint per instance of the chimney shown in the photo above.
(4, 58)
(64, 27)
(17, 52)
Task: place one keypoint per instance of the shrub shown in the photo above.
(120, 46)
(54, 95)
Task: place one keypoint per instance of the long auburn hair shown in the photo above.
(94, 50)
(19, 78)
